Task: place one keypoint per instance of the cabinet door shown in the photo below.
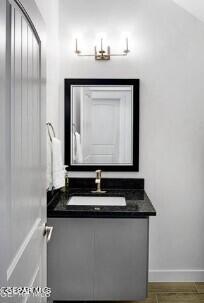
(70, 259)
(120, 259)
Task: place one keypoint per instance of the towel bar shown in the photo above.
(48, 129)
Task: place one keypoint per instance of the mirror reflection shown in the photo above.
(101, 125)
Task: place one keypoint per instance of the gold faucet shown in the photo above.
(98, 182)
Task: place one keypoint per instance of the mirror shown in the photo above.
(101, 124)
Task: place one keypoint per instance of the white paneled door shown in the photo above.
(106, 125)
(22, 143)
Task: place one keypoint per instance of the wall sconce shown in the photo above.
(101, 54)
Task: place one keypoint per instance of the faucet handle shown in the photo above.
(98, 173)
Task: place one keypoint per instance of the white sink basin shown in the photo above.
(97, 201)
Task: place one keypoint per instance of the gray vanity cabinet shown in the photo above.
(120, 252)
(71, 259)
(98, 259)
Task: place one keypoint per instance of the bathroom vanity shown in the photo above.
(99, 248)
(99, 252)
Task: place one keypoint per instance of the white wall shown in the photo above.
(50, 12)
(194, 7)
(167, 55)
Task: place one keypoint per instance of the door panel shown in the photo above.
(106, 127)
(5, 126)
(71, 259)
(120, 259)
(24, 263)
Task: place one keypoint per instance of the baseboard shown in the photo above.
(176, 275)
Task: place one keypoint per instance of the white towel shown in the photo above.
(74, 148)
(49, 164)
(57, 165)
(78, 155)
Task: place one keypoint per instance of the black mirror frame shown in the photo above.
(67, 126)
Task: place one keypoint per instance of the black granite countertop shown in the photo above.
(138, 205)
